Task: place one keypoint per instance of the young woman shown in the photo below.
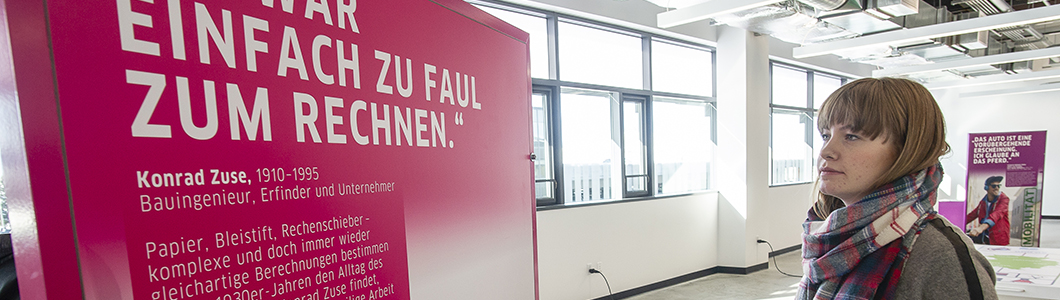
(873, 232)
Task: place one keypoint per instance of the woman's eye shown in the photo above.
(825, 137)
(852, 137)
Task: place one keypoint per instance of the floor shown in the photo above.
(770, 284)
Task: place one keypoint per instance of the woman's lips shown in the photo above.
(829, 171)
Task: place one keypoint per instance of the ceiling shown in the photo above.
(941, 43)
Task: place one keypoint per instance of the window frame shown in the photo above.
(555, 137)
(646, 139)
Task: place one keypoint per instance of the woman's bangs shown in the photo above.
(849, 107)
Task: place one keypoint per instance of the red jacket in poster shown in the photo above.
(996, 216)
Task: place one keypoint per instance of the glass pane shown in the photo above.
(537, 27)
(590, 55)
(791, 156)
(683, 149)
(636, 159)
(680, 69)
(822, 87)
(789, 87)
(591, 151)
(542, 141)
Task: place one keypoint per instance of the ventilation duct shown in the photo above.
(986, 7)
(885, 9)
(973, 41)
(826, 5)
(926, 15)
(817, 21)
(786, 21)
(1024, 37)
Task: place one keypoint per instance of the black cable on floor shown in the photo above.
(775, 259)
(605, 282)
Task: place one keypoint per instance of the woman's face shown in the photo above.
(850, 163)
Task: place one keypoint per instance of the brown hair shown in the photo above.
(901, 111)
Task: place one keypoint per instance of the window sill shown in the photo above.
(789, 184)
(619, 201)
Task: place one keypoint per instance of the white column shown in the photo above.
(743, 146)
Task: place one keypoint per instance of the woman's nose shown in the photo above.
(828, 151)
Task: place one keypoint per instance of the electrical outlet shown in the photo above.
(594, 266)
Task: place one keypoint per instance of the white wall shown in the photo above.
(1025, 112)
(787, 206)
(637, 243)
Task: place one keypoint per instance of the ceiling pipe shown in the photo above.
(707, 10)
(824, 5)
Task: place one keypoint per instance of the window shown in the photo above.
(684, 146)
(616, 113)
(544, 178)
(823, 85)
(591, 144)
(635, 147)
(537, 27)
(592, 55)
(681, 69)
(789, 87)
(792, 153)
(794, 144)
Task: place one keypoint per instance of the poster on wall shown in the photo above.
(1005, 178)
(292, 149)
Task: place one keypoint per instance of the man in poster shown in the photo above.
(992, 227)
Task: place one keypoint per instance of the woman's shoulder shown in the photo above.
(932, 255)
(934, 269)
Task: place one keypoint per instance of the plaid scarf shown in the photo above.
(863, 246)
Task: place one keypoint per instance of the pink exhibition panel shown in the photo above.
(272, 149)
(1006, 165)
